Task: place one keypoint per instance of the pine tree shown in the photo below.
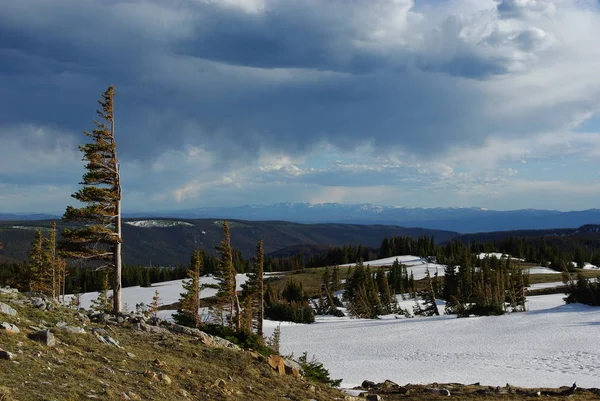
(327, 278)
(36, 276)
(98, 238)
(254, 291)
(226, 277)
(189, 304)
(155, 304)
(101, 303)
(54, 262)
(431, 308)
(275, 339)
(450, 289)
(385, 295)
(335, 280)
(361, 293)
(61, 269)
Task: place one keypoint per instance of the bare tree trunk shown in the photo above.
(261, 286)
(117, 262)
(117, 247)
(53, 245)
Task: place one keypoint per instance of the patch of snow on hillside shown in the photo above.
(588, 265)
(158, 223)
(537, 286)
(169, 292)
(417, 265)
(541, 270)
(498, 256)
(551, 345)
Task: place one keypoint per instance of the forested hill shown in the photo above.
(588, 232)
(170, 241)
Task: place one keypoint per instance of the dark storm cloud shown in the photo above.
(233, 81)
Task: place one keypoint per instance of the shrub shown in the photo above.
(244, 339)
(314, 370)
(290, 312)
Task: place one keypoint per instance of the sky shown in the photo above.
(472, 103)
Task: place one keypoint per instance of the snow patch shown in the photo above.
(159, 223)
(169, 292)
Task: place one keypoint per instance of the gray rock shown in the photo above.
(44, 297)
(99, 331)
(108, 340)
(153, 329)
(438, 391)
(4, 308)
(99, 317)
(374, 397)
(8, 291)
(44, 337)
(9, 328)
(73, 330)
(38, 303)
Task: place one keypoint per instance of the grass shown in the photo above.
(312, 278)
(80, 367)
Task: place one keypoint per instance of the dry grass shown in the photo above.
(80, 367)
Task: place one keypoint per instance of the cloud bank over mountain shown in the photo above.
(465, 102)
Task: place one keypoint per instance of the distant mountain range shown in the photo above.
(462, 220)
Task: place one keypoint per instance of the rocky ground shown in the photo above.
(50, 352)
(390, 391)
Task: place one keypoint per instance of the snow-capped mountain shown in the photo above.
(464, 220)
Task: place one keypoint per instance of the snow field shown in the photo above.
(551, 345)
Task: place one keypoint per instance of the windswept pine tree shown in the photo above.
(36, 272)
(253, 293)
(227, 298)
(188, 312)
(97, 237)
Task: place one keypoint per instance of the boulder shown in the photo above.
(133, 396)
(368, 384)
(276, 362)
(389, 387)
(38, 302)
(292, 368)
(4, 308)
(73, 330)
(44, 336)
(30, 294)
(438, 391)
(99, 317)
(163, 378)
(374, 397)
(108, 340)
(9, 356)
(9, 291)
(9, 328)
